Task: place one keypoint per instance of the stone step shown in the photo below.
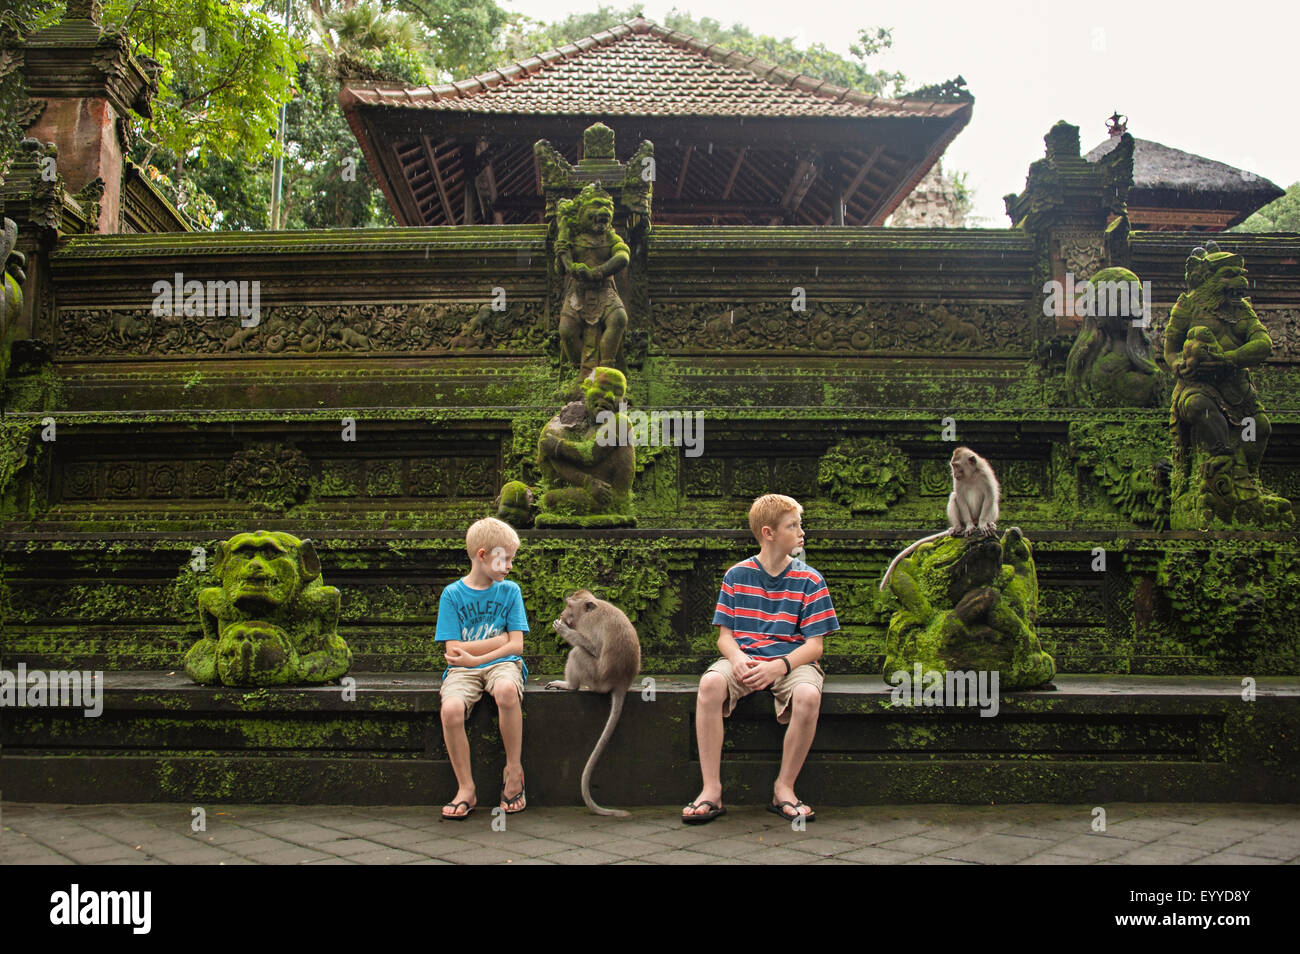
(159, 737)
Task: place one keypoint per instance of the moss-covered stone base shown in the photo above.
(1092, 741)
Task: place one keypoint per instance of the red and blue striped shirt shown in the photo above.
(771, 616)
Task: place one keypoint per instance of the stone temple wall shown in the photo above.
(131, 438)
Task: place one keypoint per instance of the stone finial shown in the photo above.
(598, 142)
(1062, 141)
(1117, 125)
(91, 10)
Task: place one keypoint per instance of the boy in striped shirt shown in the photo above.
(772, 613)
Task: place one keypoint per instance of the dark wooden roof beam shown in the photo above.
(437, 178)
(861, 174)
(681, 176)
(731, 180)
(805, 174)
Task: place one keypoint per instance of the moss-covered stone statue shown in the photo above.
(11, 295)
(1219, 426)
(969, 603)
(271, 621)
(587, 459)
(1110, 363)
(589, 253)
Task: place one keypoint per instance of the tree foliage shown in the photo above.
(1280, 215)
(227, 66)
(528, 36)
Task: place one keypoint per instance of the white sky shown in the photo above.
(1214, 79)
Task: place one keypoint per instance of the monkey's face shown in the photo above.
(963, 464)
(577, 606)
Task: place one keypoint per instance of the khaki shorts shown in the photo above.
(782, 690)
(468, 685)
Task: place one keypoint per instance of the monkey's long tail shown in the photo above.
(934, 536)
(616, 699)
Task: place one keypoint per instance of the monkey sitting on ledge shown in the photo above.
(606, 657)
(972, 505)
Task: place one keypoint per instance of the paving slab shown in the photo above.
(1155, 833)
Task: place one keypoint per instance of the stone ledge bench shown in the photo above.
(1091, 740)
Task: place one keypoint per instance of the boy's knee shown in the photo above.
(713, 688)
(453, 711)
(506, 695)
(806, 700)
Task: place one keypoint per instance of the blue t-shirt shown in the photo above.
(771, 616)
(468, 614)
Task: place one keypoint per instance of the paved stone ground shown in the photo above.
(1195, 834)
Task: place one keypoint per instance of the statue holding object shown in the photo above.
(589, 253)
(587, 463)
(1220, 430)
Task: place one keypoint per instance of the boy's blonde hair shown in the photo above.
(768, 510)
(489, 533)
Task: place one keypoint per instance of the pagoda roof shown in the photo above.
(1169, 181)
(707, 109)
(639, 68)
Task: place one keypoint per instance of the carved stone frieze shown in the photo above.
(1018, 478)
(305, 329)
(747, 478)
(277, 475)
(1083, 251)
(841, 326)
(268, 473)
(1283, 326)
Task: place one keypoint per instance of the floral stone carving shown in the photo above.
(1219, 427)
(272, 620)
(969, 603)
(866, 474)
(270, 475)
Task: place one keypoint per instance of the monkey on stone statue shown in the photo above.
(972, 505)
(606, 657)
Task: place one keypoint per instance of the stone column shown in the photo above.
(1067, 206)
(83, 81)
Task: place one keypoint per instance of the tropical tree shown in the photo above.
(1280, 215)
(527, 36)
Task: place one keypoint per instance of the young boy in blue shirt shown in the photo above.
(772, 613)
(482, 622)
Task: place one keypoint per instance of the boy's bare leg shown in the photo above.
(510, 714)
(805, 706)
(708, 735)
(453, 736)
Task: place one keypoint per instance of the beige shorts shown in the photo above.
(468, 685)
(782, 690)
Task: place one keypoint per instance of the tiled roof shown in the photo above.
(639, 68)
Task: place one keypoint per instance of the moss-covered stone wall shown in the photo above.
(382, 401)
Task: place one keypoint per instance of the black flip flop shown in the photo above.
(715, 811)
(510, 801)
(469, 810)
(779, 809)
